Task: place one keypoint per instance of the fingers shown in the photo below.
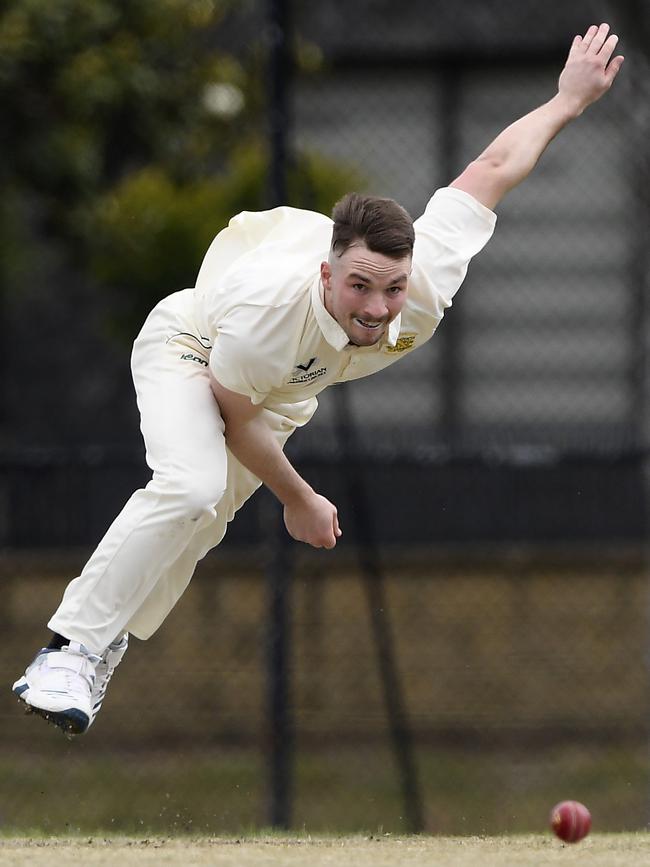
(598, 38)
(587, 39)
(597, 43)
(336, 532)
(594, 39)
(614, 67)
(608, 48)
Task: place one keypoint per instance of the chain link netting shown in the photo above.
(501, 471)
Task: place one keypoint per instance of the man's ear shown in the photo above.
(325, 274)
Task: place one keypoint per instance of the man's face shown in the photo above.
(364, 291)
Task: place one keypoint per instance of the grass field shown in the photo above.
(217, 792)
(604, 850)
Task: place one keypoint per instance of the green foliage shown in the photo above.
(129, 142)
(91, 89)
(148, 235)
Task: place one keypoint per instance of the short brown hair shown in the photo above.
(383, 225)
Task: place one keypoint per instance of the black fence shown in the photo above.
(476, 647)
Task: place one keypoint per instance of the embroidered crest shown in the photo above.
(404, 342)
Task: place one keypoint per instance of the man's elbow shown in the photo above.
(486, 179)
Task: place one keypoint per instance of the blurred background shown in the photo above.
(477, 646)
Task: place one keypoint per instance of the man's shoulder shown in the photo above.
(272, 253)
(278, 223)
(281, 267)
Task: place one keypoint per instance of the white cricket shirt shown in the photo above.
(258, 300)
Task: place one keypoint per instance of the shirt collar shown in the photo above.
(332, 331)
(394, 330)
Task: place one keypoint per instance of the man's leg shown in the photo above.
(242, 484)
(183, 433)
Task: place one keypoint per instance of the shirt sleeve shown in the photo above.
(452, 230)
(255, 347)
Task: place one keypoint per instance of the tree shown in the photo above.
(92, 89)
(128, 140)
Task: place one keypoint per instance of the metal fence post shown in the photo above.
(279, 738)
(278, 566)
(279, 82)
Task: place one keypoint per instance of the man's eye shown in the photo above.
(359, 286)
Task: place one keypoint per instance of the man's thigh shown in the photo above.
(179, 417)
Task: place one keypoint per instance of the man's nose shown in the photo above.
(375, 308)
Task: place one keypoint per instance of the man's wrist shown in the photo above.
(295, 494)
(569, 107)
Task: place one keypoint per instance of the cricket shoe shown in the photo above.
(58, 686)
(108, 662)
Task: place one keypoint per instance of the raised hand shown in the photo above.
(590, 68)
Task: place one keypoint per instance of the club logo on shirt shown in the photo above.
(306, 372)
(403, 342)
(307, 364)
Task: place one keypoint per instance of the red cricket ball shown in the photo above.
(570, 821)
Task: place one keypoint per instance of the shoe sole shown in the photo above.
(71, 721)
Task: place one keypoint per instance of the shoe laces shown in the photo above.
(75, 681)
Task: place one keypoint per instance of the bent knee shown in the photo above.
(193, 496)
(194, 503)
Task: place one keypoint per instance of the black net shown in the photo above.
(476, 648)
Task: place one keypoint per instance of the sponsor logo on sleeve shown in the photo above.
(402, 344)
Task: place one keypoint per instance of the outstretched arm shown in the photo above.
(588, 73)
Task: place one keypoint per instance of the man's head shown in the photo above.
(366, 275)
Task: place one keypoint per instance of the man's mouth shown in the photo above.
(367, 323)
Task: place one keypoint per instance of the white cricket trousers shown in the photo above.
(149, 554)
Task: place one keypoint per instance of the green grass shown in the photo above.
(339, 790)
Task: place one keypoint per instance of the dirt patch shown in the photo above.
(616, 850)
